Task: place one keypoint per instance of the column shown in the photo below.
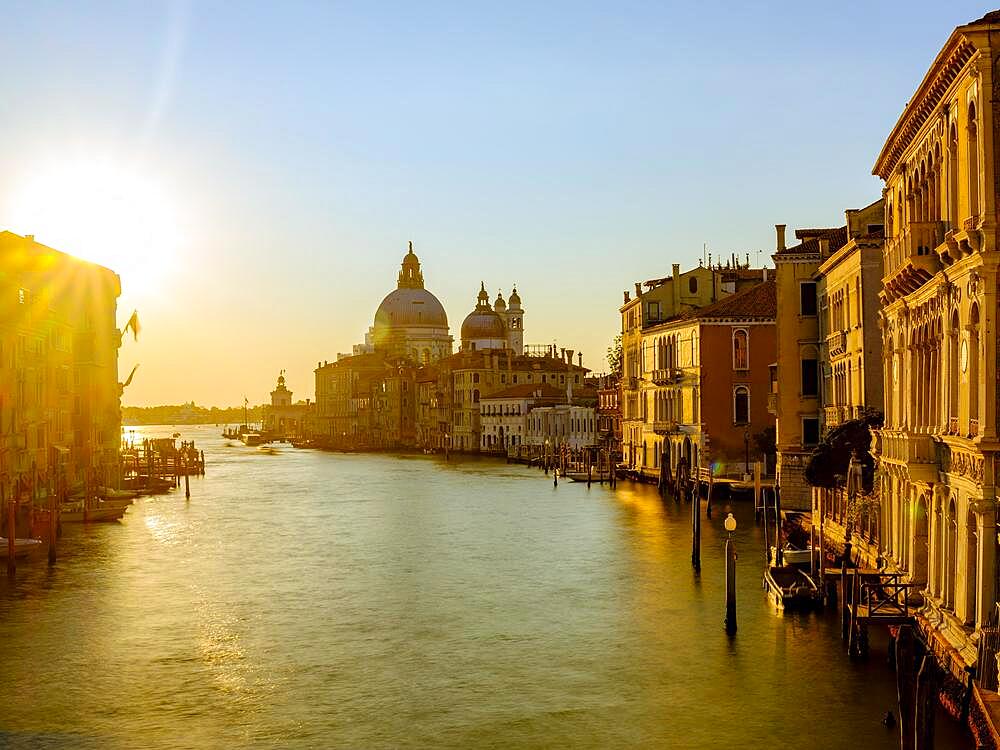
(986, 592)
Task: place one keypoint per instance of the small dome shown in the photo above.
(515, 299)
(482, 324)
(500, 305)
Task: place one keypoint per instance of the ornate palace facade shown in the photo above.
(938, 449)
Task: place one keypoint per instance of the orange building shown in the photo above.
(711, 382)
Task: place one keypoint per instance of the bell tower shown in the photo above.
(514, 318)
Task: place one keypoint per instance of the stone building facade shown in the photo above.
(938, 450)
(60, 399)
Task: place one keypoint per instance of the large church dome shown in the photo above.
(411, 307)
(411, 321)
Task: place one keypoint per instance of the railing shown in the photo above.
(907, 447)
(953, 425)
(886, 595)
(836, 343)
(664, 375)
(772, 403)
(970, 224)
(973, 427)
(832, 416)
(663, 426)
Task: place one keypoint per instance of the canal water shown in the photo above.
(310, 599)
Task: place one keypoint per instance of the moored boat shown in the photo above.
(790, 588)
(22, 547)
(252, 439)
(76, 513)
(791, 555)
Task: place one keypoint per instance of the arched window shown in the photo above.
(693, 285)
(950, 554)
(741, 405)
(973, 368)
(741, 349)
(973, 162)
(888, 220)
(971, 568)
(953, 177)
(475, 396)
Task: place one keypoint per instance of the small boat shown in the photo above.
(306, 443)
(22, 547)
(790, 588)
(252, 439)
(792, 556)
(76, 513)
(109, 492)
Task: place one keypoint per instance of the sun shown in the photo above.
(113, 214)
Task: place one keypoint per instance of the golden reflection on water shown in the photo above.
(321, 600)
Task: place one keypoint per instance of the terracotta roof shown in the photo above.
(526, 390)
(760, 302)
(837, 238)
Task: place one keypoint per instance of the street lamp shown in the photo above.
(730, 525)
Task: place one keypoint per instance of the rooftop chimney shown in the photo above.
(580, 356)
(638, 290)
(780, 230)
(569, 356)
(824, 247)
(626, 297)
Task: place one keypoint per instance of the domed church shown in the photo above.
(498, 327)
(411, 322)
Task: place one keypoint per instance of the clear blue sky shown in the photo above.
(570, 147)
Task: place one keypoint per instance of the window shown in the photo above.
(741, 349)
(807, 298)
(810, 380)
(810, 431)
(741, 405)
(654, 311)
(693, 285)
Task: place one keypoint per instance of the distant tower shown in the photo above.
(514, 318)
(281, 396)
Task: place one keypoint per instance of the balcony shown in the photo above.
(664, 426)
(914, 451)
(836, 343)
(772, 403)
(665, 376)
(953, 425)
(973, 428)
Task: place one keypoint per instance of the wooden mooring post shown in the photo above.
(53, 519)
(925, 703)
(905, 685)
(187, 481)
(696, 532)
(11, 529)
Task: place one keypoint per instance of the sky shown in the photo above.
(254, 171)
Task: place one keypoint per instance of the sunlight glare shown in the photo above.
(101, 211)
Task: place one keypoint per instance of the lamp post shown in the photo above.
(730, 525)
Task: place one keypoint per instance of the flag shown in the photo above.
(130, 376)
(133, 323)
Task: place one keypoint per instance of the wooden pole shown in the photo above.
(11, 530)
(926, 701)
(756, 487)
(590, 469)
(730, 586)
(779, 558)
(187, 481)
(905, 685)
(696, 533)
(711, 485)
(53, 523)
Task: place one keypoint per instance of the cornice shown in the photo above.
(947, 66)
